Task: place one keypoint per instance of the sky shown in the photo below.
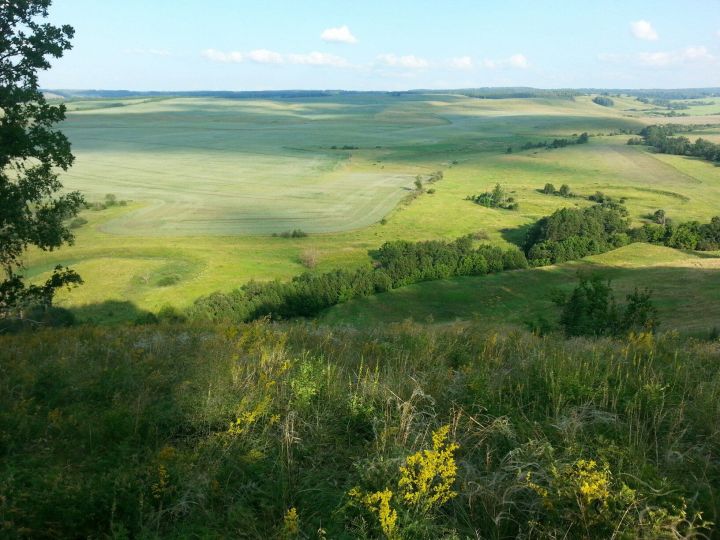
(386, 45)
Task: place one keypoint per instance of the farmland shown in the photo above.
(208, 181)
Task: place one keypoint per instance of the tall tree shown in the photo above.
(32, 153)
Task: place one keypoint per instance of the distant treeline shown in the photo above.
(574, 233)
(481, 93)
(583, 138)
(227, 94)
(396, 264)
(661, 138)
(656, 93)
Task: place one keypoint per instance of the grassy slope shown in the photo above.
(199, 432)
(686, 291)
(464, 137)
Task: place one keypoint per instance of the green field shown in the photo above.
(686, 291)
(209, 180)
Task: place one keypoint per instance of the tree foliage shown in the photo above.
(662, 139)
(574, 233)
(591, 310)
(32, 212)
(396, 264)
(603, 101)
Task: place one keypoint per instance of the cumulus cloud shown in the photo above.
(409, 61)
(317, 59)
(663, 59)
(643, 30)
(341, 34)
(517, 61)
(219, 56)
(265, 56)
(462, 62)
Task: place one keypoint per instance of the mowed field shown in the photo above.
(208, 181)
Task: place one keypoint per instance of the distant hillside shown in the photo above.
(483, 93)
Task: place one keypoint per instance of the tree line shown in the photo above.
(395, 264)
(661, 138)
(583, 138)
(574, 233)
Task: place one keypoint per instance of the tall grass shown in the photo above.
(263, 431)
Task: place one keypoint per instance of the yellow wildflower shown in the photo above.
(427, 477)
(291, 523)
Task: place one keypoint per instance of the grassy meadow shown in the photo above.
(208, 181)
(294, 431)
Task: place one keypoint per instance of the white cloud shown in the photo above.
(341, 34)
(317, 59)
(218, 56)
(518, 61)
(153, 52)
(663, 59)
(263, 56)
(462, 62)
(409, 61)
(643, 30)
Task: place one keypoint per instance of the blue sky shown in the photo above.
(391, 44)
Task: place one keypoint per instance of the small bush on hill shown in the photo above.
(296, 233)
(591, 310)
(497, 198)
(603, 101)
(78, 222)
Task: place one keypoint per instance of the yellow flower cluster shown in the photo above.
(379, 504)
(593, 484)
(245, 419)
(291, 523)
(427, 477)
(426, 481)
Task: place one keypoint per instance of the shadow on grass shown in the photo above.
(110, 312)
(687, 298)
(516, 235)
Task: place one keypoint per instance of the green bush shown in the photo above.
(78, 222)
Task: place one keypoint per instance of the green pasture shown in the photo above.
(209, 180)
(686, 291)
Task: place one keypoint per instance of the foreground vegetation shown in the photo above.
(268, 431)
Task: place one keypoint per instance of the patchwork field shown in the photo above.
(208, 181)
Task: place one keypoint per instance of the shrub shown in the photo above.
(309, 258)
(591, 310)
(603, 101)
(78, 222)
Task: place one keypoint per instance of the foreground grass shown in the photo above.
(261, 431)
